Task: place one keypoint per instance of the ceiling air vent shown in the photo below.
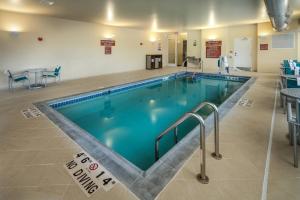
(47, 2)
(279, 12)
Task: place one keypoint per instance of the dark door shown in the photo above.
(184, 51)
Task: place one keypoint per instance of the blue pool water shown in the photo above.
(129, 121)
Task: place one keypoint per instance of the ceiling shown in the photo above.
(155, 15)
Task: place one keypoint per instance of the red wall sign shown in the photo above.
(107, 50)
(40, 39)
(263, 46)
(214, 43)
(213, 49)
(108, 44)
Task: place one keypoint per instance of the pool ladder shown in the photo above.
(202, 176)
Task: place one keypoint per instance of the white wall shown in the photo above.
(227, 36)
(269, 60)
(72, 44)
(298, 56)
(193, 36)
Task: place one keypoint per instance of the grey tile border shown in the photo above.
(56, 103)
(144, 184)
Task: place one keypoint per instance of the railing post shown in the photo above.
(202, 178)
(176, 134)
(216, 154)
(156, 150)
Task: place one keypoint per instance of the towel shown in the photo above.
(292, 66)
(296, 71)
(298, 81)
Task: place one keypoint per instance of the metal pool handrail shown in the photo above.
(215, 154)
(202, 176)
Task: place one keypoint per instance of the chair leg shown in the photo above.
(29, 84)
(281, 101)
(284, 105)
(291, 132)
(11, 85)
(9, 88)
(289, 118)
(295, 143)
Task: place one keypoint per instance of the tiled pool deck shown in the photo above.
(32, 152)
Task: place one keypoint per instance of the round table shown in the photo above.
(36, 72)
(293, 93)
(290, 76)
(286, 77)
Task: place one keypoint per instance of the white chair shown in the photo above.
(16, 78)
(293, 120)
(54, 74)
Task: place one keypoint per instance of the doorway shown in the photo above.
(172, 50)
(242, 53)
(184, 52)
(181, 49)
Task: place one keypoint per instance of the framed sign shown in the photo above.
(213, 49)
(110, 43)
(107, 50)
(263, 46)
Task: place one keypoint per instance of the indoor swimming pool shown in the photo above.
(127, 118)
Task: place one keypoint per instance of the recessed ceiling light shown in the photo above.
(15, 1)
(110, 12)
(47, 2)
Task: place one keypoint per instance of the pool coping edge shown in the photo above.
(145, 185)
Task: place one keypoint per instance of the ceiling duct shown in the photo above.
(279, 13)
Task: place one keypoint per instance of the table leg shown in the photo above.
(35, 78)
(289, 117)
(36, 84)
(284, 104)
(295, 147)
(295, 135)
(298, 119)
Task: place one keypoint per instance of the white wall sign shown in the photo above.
(31, 112)
(89, 174)
(283, 41)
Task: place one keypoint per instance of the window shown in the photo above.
(283, 41)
